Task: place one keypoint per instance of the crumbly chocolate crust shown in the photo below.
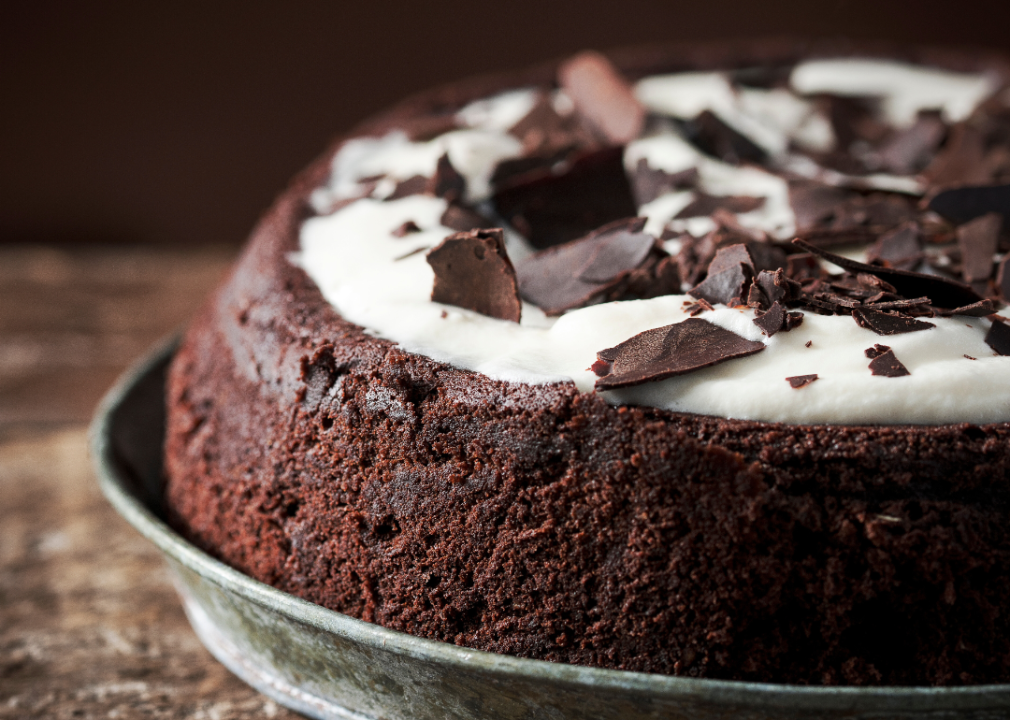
(541, 522)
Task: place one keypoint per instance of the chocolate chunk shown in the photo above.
(814, 204)
(714, 137)
(582, 271)
(447, 183)
(884, 362)
(798, 381)
(602, 96)
(668, 351)
(910, 150)
(704, 205)
(729, 257)
(647, 184)
(406, 229)
(462, 218)
(962, 160)
(473, 271)
(1003, 278)
(551, 207)
(728, 286)
(998, 337)
(776, 286)
(885, 324)
(959, 205)
(899, 248)
(942, 293)
(414, 185)
(771, 321)
(545, 133)
(977, 240)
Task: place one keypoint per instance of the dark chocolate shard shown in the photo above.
(602, 96)
(998, 337)
(729, 256)
(728, 286)
(884, 324)
(545, 133)
(550, 208)
(772, 320)
(647, 183)
(583, 271)
(814, 204)
(669, 351)
(473, 271)
(798, 381)
(704, 205)
(910, 150)
(1003, 278)
(412, 253)
(884, 362)
(980, 309)
(962, 161)
(776, 286)
(899, 248)
(462, 218)
(942, 293)
(714, 137)
(447, 182)
(959, 205)
(406, 229)
(977, 240)
(414, 185)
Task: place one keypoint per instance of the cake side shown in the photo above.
(542, 522)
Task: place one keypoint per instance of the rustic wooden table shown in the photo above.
(90, 625)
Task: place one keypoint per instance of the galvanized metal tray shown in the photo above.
(328, 665)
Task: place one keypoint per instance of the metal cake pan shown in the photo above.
(328, 665)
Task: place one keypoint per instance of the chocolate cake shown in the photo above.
(684, 361)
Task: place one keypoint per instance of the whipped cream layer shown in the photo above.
(383, 283)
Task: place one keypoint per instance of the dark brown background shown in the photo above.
(176, 122)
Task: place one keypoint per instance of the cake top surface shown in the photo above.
(820, 242)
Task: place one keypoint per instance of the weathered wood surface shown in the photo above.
(90, 625)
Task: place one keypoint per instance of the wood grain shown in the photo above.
(90, 625)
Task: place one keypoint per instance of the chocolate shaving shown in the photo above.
(714, 137)
(1003, 278)
(473, 271)
(589, 269)
(942, 293)
(998, 337)
(406, 229)
(545, 134)
(814, 204)
(798, 381)
(900, 248)
(462, 218)
(647, 183)
(910, 150)
(414, 185)
(977, 240)
(550, 208)
(704, 205)
(413, 252)
(669, 351)
(728, 287)
(959, 205)
(772, 320)
(447, 182)
(884, 362)
(602, 95)
(885, 324)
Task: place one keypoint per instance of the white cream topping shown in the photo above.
(904, 89)
(373, 280)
